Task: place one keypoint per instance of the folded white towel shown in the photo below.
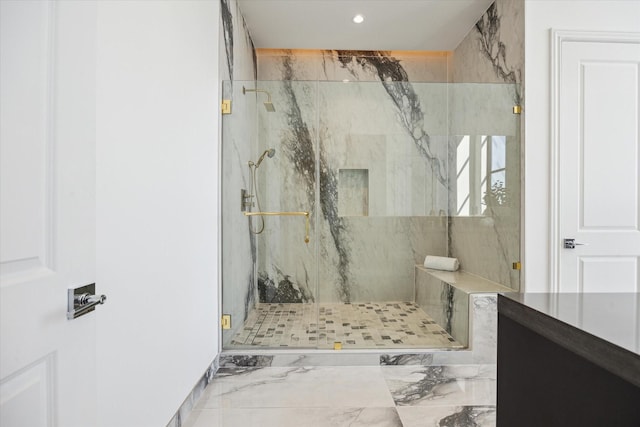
(441, 263)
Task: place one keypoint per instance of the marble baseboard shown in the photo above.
(246, 361)
(297, 417)
(406, 359)
(345, 359)
(190, 402)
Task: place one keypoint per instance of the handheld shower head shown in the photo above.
(267, 105)
(269, 153)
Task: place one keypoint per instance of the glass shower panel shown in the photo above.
(385, 173)
(239, 254)
(276, 159)
(287, 262)
(383, 203)
(485, 179)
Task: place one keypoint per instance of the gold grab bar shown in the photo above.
(305, 214)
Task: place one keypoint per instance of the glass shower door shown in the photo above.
(269, 240)
(384, 200)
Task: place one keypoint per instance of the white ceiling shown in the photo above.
(388, 25)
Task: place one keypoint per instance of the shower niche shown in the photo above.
(380, 169)
(353, 192)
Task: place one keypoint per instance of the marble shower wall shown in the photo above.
(239, 134)
(493, 52)
(364, 149)
(381, 139)
(364, 66)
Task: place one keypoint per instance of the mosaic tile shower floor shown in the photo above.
(357, 325)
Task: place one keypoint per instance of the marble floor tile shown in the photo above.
(447, 416)
(353, 396)
(466, 385)
(295, 417)
(340, 387)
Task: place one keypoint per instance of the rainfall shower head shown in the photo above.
(269, 153)
(268, 105)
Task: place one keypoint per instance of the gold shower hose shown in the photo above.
(305, 214)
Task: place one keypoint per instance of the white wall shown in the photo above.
(540, 17)
(157, 205)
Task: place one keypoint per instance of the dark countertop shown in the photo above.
(602, 328)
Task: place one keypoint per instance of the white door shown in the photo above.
(598, 118)
(47, 214)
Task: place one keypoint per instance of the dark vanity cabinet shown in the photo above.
(568, 360)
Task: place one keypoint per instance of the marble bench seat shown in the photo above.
(453, 299)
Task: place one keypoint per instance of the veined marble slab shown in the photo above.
(313, 387)
(395, 130)
(454, 416)
(238, 244)
(442, 385)
(355, 396)
(488, 245)
(243, 360)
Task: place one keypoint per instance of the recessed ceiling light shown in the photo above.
(358, 19)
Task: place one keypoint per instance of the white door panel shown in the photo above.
(599, 164)
(609, 144)
(607, 274)
(47, 212)
(26, 397)
(25, 200)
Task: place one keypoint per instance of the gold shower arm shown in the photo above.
(244, 91)
(305, 214)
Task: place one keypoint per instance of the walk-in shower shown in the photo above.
(384, 174)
